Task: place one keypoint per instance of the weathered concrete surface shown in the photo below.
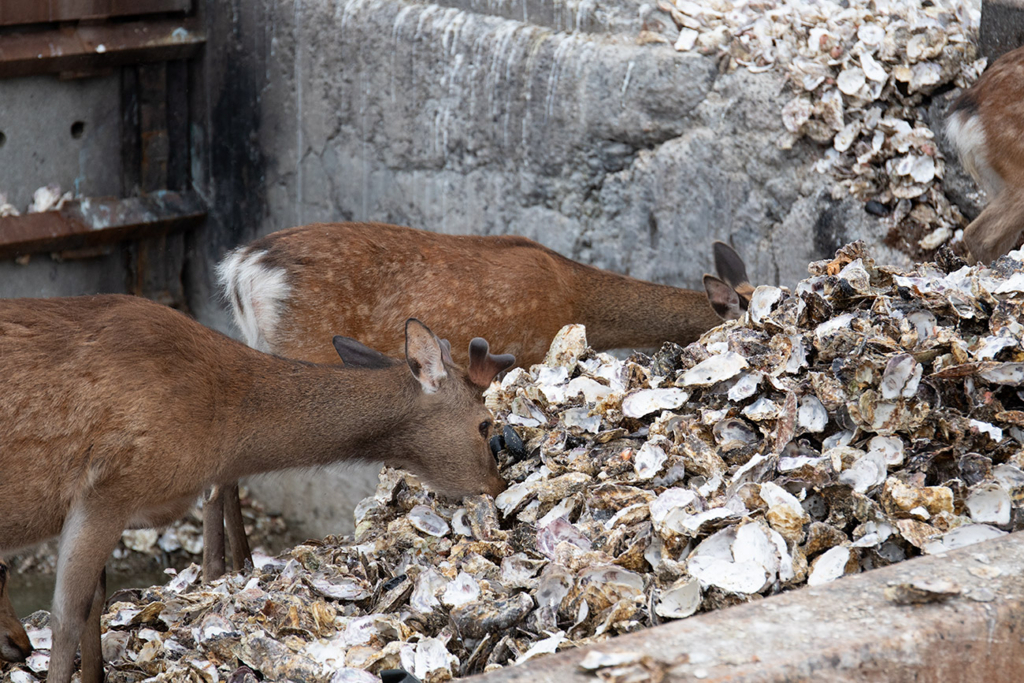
(38, 148)
(43, 276)
(846, 631)
(629, 157)
(36, 119)
(1002, 27)
(619, 20)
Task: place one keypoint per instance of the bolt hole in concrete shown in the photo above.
(77, 129)
(3, 138)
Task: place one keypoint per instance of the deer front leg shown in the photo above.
(89, 535)
(92, 649)
(213, 533)
(240, 553)
(997, 229)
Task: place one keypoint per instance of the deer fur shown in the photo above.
(14, 643)
(986, 126)
(119, 412)
(293, 289)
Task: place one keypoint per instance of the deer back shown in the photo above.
(291, 291)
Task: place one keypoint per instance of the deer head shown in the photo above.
(446, 441)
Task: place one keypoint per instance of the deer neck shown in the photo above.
(622, 312)
(312, 415)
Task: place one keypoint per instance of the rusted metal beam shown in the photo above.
(42, 11)
(87, 48)
(92, 222)
(848, 631)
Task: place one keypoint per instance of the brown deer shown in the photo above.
(14, 643)
(119, 412)
(290, 289)
(986, 125)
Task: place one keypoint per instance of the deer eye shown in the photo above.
(485, 427)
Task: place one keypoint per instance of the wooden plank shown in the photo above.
(131, 146)
(16, 12)
(99, 46)
(179, 157)
(71, 10)
(153, 126)
(91, 222)
(133, 7)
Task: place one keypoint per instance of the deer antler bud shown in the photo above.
(485, 366)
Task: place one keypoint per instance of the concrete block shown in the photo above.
(1002, 27)
(42, 144)
(843, 632)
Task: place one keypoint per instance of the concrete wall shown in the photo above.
(540, 118)
(37, 148)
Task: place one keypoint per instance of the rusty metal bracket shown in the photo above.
(92, 222)
(92, 47)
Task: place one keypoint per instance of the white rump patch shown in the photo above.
(968, 136)
(257, 294)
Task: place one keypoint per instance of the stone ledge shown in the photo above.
(573, 16)
(845, 631)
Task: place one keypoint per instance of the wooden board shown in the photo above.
(86, 48)
(14, 12)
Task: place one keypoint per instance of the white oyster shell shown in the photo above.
(715, 369)
(680, 600)
(647, 401)
(989, 504)
(829, 566)
(649, 461)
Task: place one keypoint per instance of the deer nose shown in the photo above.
(496, 486)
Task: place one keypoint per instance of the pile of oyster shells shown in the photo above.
(153, 549)
(870, 415)
(861, 73)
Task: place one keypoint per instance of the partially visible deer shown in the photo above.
(119, 412)
(986, 125)
(14, 643)
(292, 290)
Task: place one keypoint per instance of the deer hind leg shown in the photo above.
(213, 533)
(89, 535)
(14, 642)
(240, 553)
(92, 649)
(997, 229)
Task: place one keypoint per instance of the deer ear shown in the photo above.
(728, 264)
(446, 352)
(425, 355)
(357, 355)
(723, 298)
